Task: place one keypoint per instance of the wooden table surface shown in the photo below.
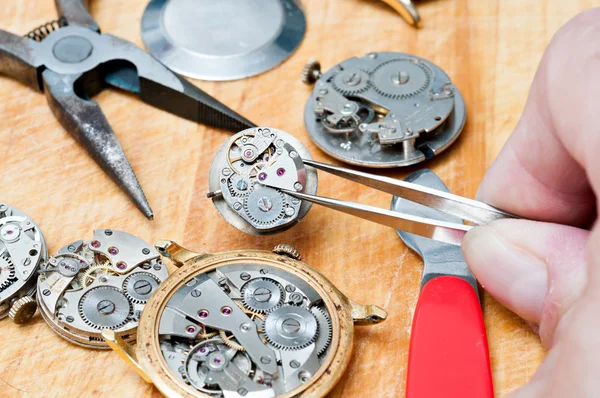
(489, 48)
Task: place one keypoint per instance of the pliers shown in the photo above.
(74, 62)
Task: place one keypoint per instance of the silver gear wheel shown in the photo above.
(351, 81)
(104, 307)
(138, 287)
(239, 185)
(264, 205)
(325, 329)
(401, 78)
(262, 295)
(291, 328)
(7, 272)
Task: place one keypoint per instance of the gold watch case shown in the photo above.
(147, 358)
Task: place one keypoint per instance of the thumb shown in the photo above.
(538, 270)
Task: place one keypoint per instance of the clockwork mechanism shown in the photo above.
(238, 173)
(22, 250)
(244, 323)
(99, 284)
(383, 110)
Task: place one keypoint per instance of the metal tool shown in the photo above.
(22, 250)
(473, 211)
(235, 176)
(448, 353)
(103, 283)
(385, 109)
(244, 324)
(223, 40)
(72, 61)
(407, 10)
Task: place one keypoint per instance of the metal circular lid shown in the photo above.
(222, 40)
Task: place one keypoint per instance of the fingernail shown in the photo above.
(507, 270)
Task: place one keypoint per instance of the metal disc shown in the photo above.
(104, 307)
(291, 328)
(222, 40)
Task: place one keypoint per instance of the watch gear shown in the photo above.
(7, 272)
(325, 330)
(105, 308)
(351, 81)
(264, 205)
(22, 251)
(102, 283)
(206, 335)
(248, 175)
(93, 272)
(262, 295)
(230, 341)
(401, 78)
(22, 310)
(384, 110)
(239, 185)
(291, 328)
(138, 287)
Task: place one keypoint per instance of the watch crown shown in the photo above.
(22, 310)
(311, 71)
(288, 251)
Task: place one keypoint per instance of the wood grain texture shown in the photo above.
(490, 49)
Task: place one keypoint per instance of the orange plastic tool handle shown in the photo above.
(448, 355)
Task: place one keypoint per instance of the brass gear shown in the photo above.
(206, 335)
(86, 278)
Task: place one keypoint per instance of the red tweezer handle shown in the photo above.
(448, 354)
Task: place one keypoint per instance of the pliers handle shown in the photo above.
(75, 12)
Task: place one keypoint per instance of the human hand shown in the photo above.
(548, 272)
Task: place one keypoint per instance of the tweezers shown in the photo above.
(472, 211)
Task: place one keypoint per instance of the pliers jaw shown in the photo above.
(75, 62)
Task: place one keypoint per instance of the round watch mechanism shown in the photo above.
(22, 250)
(224, 40)
(249, 174)
(99, 284)
(383, 110)
(230, 329)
